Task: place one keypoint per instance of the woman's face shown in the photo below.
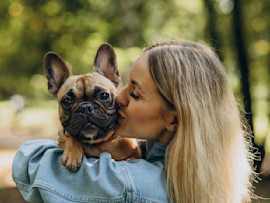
(143, 112)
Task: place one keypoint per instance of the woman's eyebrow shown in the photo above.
(135, 83)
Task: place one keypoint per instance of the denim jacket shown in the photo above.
(40, 176)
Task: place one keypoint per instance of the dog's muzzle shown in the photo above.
(90, 121)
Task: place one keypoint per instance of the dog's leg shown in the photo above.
(73, 154)
(61, 137)
(120, 148)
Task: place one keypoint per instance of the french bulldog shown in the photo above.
(87, 108)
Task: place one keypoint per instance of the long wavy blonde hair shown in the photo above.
(208, 159)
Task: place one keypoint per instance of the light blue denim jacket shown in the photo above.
(41, 177)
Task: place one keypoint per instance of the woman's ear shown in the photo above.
(171, 121)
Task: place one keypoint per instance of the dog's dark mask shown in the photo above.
(87, 108)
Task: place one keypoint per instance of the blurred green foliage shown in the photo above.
(75, 29)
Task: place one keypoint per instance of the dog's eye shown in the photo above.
(104, 96)
(66, 102)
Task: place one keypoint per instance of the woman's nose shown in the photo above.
(122, 98)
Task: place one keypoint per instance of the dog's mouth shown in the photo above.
(91, 130)
(92, 134)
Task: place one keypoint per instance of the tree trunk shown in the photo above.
(242, 59)
(211, 27)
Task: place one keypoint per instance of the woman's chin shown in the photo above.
(116, 127)
(119, 132)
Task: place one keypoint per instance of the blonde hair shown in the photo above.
(208, 159)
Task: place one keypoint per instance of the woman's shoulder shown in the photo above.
(144, 179)
(37, 171)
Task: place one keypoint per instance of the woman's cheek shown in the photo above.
(142, 114)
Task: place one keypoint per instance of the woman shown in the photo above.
(179, 100)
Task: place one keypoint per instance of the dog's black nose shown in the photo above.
(85, 108)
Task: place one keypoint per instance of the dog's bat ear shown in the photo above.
(56, 72)
(106, 64)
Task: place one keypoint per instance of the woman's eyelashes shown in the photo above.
(134, 96)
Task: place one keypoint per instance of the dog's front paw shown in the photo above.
(72, 160)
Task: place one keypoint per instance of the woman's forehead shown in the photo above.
(140, 65)
(140, 74)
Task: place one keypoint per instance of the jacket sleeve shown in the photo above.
(40, 176)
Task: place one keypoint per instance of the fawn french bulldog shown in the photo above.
(87, 109)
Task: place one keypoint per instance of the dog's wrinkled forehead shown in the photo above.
(86, 85)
